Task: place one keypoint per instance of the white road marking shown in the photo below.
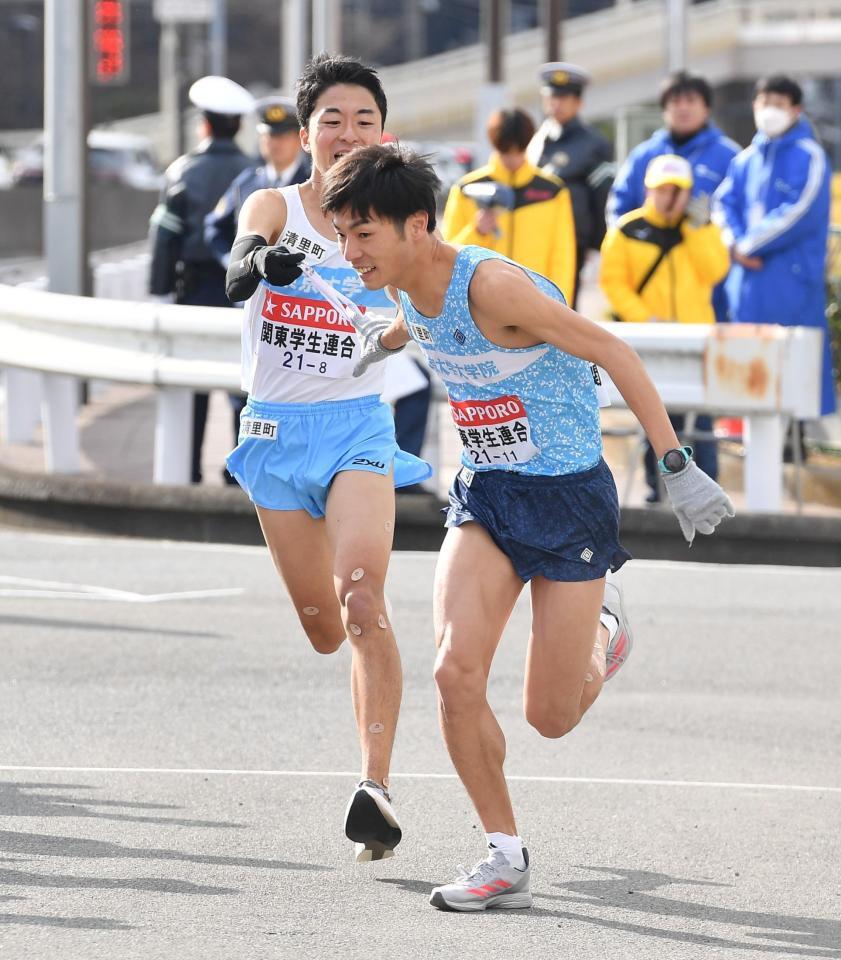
(353, 774)
(57, 590)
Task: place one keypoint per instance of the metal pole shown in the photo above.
(554, 14)
(493, 12)
(169, 83)
(219, 39)
(65, 175)
(294, 42)
(326, 26)
(415, 30)
(676, 35)
(493, 93)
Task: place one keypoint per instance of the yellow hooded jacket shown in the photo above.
(680, 289)
(539, 233)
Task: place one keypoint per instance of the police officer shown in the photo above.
(576, 153)
(284, 162)
(181, 261)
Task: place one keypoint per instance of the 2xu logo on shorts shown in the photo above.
(365, 462)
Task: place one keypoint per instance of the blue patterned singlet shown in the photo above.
(531, 410)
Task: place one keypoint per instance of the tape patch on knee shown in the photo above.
(311, 611)
(382, 622)
(376, 728)
(355, 629)
(357, 574)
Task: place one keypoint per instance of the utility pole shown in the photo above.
(219, 39)
(326, 26)
(65, 195)
(554, 14)
(414, 29)
(676, 35)
(294, 42)
(493, 93)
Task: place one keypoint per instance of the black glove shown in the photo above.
(276, 264)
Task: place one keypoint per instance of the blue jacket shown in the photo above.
(220, 225)
(774, 204)
(709, 152)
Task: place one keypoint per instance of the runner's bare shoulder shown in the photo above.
(263, 213)
(495, 282)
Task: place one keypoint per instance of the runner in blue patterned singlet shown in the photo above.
(316, 451)
(533, 502)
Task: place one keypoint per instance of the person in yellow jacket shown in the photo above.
(514, 208)
(660, 263)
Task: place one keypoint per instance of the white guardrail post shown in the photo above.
(173, 435)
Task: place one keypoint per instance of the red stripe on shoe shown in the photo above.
(477, 892)
(503, 884)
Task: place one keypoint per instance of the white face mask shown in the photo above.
(772, 121)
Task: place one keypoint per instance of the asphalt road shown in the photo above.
(175, 766)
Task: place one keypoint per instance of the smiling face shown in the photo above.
(346, 116)
(379, 250)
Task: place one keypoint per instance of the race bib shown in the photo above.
(494, 432)
(306, 336)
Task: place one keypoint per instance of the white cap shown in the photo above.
(221, 95)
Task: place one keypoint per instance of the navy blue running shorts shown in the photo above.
(562, 528)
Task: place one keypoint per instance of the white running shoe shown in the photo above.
(619, 648)
(492, 884)
(370, 821)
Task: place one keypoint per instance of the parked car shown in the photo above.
(123, 158)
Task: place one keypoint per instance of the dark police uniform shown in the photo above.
(580, 156)
(182, 263)
(277, 116)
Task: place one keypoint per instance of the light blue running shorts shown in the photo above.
(288, 453)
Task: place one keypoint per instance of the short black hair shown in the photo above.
(385, 180)
(781, 84)
(684, 82)
(223, 126)
(325, 71)
(510, 130)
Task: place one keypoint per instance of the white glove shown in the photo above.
(698, 501)
(698, 210)
(370, 328)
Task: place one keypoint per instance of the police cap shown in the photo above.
(276, 115)
(559, 78)
(221, 95)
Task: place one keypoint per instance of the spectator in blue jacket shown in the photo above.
(773, 209)
(686, 100)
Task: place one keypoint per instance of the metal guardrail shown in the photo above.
(766, 374)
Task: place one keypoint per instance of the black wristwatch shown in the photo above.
(673, 461)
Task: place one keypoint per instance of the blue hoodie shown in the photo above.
(709, 154)
(774, 204)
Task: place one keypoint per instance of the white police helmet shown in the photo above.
(221, 95)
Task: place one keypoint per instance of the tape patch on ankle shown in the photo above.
(357, 574)
(310, 611)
